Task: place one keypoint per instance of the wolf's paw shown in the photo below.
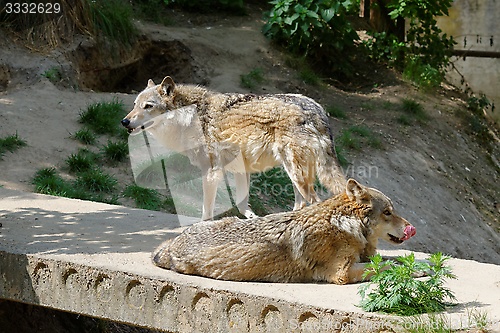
(249, 214)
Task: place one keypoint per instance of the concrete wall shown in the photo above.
(475, 26)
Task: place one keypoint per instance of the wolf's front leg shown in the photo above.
(210, 180)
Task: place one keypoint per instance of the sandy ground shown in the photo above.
(439, 177)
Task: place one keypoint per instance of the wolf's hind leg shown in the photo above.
(300, 173)
(299, 199)
(242, 193)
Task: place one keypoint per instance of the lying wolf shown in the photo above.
(327, 241)
(260, 131)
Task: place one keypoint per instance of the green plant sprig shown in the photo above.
(394, 289)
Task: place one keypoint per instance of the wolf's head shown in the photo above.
(151, 102)
(383, 222)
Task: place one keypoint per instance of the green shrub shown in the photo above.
(426, 51)
(424, 75)
(393, 288)
(316, 29)
(475, 122)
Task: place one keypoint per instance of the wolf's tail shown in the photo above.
(328, 169)
(161, 256)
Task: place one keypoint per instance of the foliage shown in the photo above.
(11, 143)
(97, 18)
(113, 19)
(426, 52)
(475, 122)
(478, 104)
(393, 289)
(317, 29)
(424, 75)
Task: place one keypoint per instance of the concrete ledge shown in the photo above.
(94, 259)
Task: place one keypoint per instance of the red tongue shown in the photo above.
(410, 231)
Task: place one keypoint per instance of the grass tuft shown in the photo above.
(84, 160)
(113, 19)
(356, 136)
(47, 181)
(95, 180)
(11, 143)
(336, 112)
(85, 136)
(104, 117)
(53, 74)
(144, 198)
(411, 110)
(252, 79)
(310, 77)
(115, 151)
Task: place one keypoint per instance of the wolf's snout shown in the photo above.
(410, 231)
(125, 122)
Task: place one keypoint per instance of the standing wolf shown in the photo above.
(241, 133)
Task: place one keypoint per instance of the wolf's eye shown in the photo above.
(148, 106)
(387, 212)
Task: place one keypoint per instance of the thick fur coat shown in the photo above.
(327, 241)
(241, 133)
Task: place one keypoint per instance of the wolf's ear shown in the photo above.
(151, 83)
(167, 86)
(356, 192)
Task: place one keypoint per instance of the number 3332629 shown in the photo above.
(32, 8)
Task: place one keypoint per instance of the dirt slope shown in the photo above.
(440, 178)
